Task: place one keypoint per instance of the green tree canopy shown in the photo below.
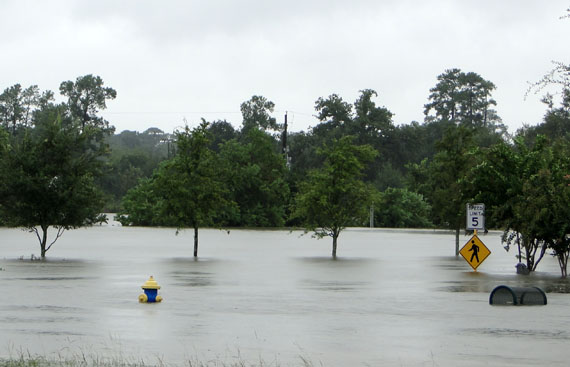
(186, 192)
(257, 113)
(334, 196)
(133, 157)
(190, 184)
(526, 192)
(17, 106)
(142, 205)
(462, 98)
(221, 131)
(368, 123)
(47, 176)
(400, 208)
(441, 180)
(255, 174)
(85, 98)
(333, 110)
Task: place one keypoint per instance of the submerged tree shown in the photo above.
(48, 169)
(189, 186)
(334, 196)
(47, 177)
(526, 192)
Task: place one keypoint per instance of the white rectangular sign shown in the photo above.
(476, 216)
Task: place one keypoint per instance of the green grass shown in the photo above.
(40, 361)
(28, 360)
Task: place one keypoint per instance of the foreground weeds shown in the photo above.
(27, 360)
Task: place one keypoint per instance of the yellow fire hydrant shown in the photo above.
(150, 288)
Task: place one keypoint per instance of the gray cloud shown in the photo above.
(175, 59)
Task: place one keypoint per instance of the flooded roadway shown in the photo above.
(391, 298)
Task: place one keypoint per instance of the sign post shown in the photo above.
(475, 251)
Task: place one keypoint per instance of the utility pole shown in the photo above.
(284, 149)
(284, 137)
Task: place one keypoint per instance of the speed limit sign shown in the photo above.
(476, 216)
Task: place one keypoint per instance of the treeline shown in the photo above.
(416, 175)
(132, 157)
(261, 146)
(62, 164)
(267, 163)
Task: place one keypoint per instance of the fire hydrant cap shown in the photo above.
(150, 284)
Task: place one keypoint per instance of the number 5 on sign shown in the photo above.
(476, 216)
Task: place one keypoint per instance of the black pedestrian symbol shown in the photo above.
(475, 250)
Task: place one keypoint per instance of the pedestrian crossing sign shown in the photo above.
(475, 252)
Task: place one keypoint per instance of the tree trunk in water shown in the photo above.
(43, 241)
(195, 241)
(335, 237)
(457, 242)
(519, 246)
(563, 261)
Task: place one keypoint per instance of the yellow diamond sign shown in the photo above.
(475, 252)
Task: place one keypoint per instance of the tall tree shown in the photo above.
(476, 99)
(462, 98)
(85, 98)
(18, 105)
(370, 121)
(373, 125)
(333, 110)
(257, 113)
(11, 108)
(335, 116)
(334, 196)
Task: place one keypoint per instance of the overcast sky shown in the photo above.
(187, 59)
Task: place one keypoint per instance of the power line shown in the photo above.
(167, 112)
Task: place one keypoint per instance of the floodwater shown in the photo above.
(392, 298)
